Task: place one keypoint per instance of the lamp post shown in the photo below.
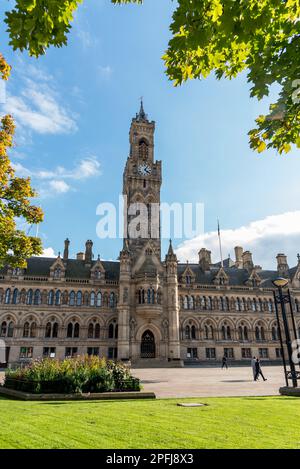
(282, 299)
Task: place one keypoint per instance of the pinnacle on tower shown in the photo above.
(170, 251)
(171, 256)
(142, 116)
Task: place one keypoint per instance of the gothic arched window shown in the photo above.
(91, 331)
(55, 330)
(259, 333)
(79, 298)
(274, 333)
(57, 272)
(226, 332)
(51, 330)
(73, 330)
(70, 330)
(33, 329)
(97, 274)
(113, 330)
(3, 330)
(7, 296)
(57, 298)
(188, 279)
(10, 330)
(143, 150)
(26, 329)
(72, 298)
(112, 300)
(92, 299)
(51, 298)
(29, 297)
(48, 330)
(97, 331)
(15, 299)
(76, 330)
(99, 299)
(191, 302)
(37, 297)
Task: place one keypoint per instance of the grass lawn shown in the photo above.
(248, 422)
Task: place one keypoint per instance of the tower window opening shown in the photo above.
(143, 150)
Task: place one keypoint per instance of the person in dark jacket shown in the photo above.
(258, 371)
(224, 363)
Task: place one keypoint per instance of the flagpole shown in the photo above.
(220, 244)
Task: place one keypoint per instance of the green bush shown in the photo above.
(72, 375)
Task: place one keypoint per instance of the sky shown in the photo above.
(73, 109)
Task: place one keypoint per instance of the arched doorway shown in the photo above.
(148, 345)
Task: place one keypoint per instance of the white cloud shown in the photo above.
(265, 238)
(21, 170)
(59, 187)
(48, 252)
(39, 107)
(86, 168)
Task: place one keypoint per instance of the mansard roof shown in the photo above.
(236, 276)
(77, 269)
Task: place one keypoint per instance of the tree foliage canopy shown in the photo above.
(15, 195)
(229, 36)
(34, 25)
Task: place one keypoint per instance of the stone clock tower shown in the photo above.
(141, 187)
(148, 309)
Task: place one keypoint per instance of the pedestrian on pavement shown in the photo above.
(224, 363)
(253, 366)
(258, 371)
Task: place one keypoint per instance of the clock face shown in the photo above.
(144, 170)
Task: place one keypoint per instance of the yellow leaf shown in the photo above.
(262, 146)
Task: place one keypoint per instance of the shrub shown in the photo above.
(72, 375)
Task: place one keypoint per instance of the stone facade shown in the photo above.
(140, 308)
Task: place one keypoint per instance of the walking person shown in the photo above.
(258, 371)
(224, 363)
(253, 367)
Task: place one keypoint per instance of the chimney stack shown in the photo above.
(204, 259)
(239, 257)
(282, 266)
(66, 250)
(247, 261)
(88, 251)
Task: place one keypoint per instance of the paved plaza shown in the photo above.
(209, 382)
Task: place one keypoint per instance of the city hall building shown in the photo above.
(142, 308)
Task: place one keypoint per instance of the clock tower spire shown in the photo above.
(141, 187)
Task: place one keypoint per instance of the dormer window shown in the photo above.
(16, 272)
(57, 272)
(188, 279)
(98, 274)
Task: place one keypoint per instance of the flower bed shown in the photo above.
(71, 376)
